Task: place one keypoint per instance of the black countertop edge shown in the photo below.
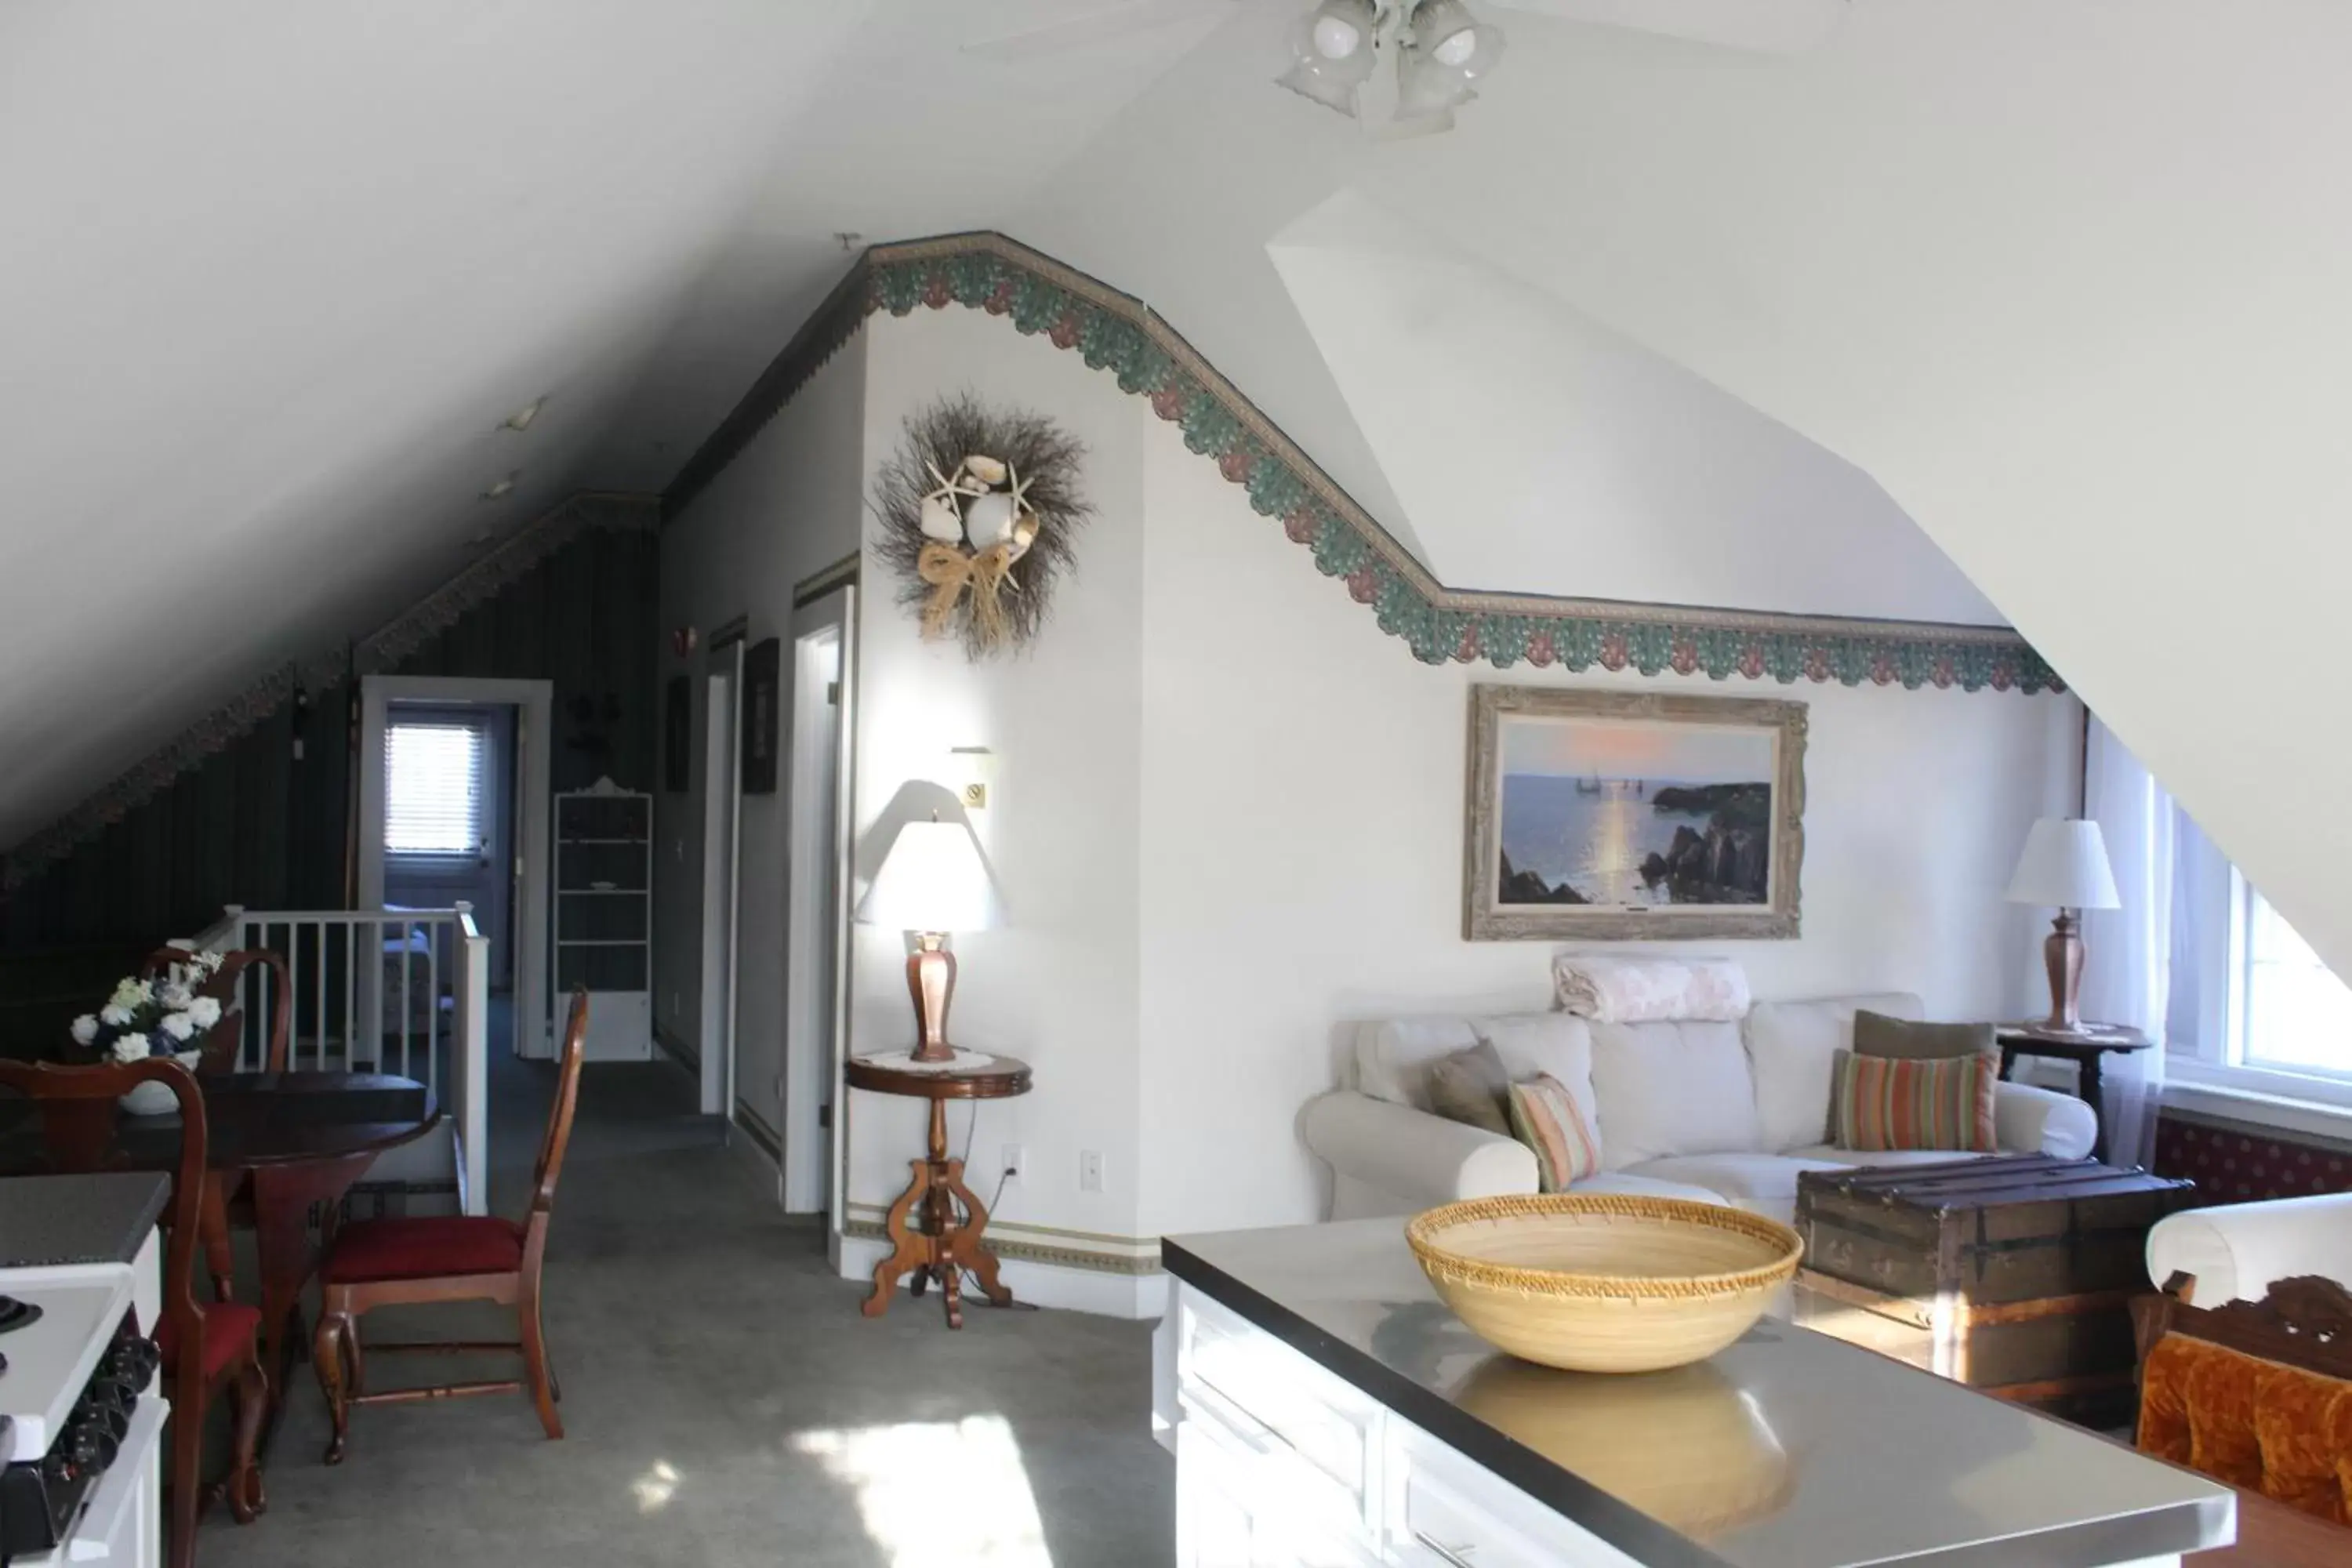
(1581, 1502)
(48, 1222)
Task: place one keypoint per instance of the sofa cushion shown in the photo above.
(1760, 1184)
(1551, 1045)
(1472, 1087)
(1393, 1055)
(1671, 1088)
(1790, 1046)
(1905, 1039)
(1547, 1119)
(1632, 1187)
(1937, 1102)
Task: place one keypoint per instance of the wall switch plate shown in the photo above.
(1090, 1174)
(1016, 1160)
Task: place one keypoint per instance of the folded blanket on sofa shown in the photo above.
(1610, 990)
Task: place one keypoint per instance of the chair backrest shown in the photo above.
(225, 1043)
(558, 1136)
(79, 1121)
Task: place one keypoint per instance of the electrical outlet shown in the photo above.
(1016, 1160)
(1090, 1178)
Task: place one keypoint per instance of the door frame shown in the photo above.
(534, 705)
(715, 1026)
(817, 918)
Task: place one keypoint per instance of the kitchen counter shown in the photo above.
(1789, 1449)
(47, 1221)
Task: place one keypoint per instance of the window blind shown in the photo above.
(436, 786)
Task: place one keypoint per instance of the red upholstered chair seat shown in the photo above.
(431, 1248)
(230, 1329)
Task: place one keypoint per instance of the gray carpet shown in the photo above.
(724, 1402)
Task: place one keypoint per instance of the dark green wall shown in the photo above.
(251, 825)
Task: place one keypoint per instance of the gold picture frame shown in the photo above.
(1638, 817)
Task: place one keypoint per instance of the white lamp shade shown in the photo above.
(2064, 866)
(932, 879)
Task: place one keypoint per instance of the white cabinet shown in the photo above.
(1282, 1464)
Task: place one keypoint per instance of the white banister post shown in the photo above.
(469, 1085)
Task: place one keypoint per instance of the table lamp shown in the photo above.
(932, 882)
(2064, 866)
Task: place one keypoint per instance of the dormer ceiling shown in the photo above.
(1765, 303)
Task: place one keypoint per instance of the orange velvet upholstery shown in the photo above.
(2276, 1429)
(429, 1247)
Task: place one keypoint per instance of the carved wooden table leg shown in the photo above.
(282, 1196)
(907, 1248)
(966, 1250)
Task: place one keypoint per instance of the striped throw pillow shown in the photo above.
(1547, 1119)
(1884, 1102)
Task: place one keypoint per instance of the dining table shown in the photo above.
(282, 1142)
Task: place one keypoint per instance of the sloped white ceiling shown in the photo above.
(1540, 451)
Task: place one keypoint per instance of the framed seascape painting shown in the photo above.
(1633, 816)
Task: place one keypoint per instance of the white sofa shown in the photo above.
(2237, 1251)
(1727, 1113)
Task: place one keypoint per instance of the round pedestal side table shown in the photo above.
(953, 1220)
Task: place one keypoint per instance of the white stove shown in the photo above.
(84, 1411)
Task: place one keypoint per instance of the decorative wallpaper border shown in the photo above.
(1088, 1250)
(1117, 333)
(375, 654)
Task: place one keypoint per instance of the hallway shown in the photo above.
(724, 1402)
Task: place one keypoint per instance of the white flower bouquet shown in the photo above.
(167, 1015)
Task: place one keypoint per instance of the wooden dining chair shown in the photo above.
(207, 1350)
(457, 1257)
(224, 1044)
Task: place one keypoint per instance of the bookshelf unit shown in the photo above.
(603, 917)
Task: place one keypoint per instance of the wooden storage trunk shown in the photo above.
(2011, 1275)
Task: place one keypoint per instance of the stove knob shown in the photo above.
(133, 1362)
(59, 1470)
(90, 1444)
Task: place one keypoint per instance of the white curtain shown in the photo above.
(2127, 972)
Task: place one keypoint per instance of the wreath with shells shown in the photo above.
(980, 508)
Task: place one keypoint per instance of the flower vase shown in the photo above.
(154, 1098)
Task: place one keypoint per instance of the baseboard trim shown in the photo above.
(755, 1127)
(1135, 1297)
(1093, 1251)
(677, 1048)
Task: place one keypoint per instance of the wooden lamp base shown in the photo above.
(931, 981)
(2062, 954)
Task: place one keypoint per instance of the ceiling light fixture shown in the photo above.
(519, 420)
(1440, 48)
(1334, 50)
(1446, 49)
(503, 487)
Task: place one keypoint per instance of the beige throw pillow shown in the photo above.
(1897, 1040)
(1472, 1087)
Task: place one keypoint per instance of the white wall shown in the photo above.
(1302, 864)
(1058, 985)
(783, 511)
(1229, 819)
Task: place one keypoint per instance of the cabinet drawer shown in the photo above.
(1269, 1390)
(1447, 1511)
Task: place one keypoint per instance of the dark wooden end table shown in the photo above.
(2086, 1047)
(953, 1218)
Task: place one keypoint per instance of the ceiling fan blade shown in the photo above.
(1110, 22)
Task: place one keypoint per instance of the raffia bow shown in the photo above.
(988, 574)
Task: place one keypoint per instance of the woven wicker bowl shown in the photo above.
(1603, 1282)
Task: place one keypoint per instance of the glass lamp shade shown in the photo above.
(2064, 866)
(1449, 50)
(932, 879)
(1333, 54)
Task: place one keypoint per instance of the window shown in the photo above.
(2296, 1015)
(435, 787)
(2252, 1006)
